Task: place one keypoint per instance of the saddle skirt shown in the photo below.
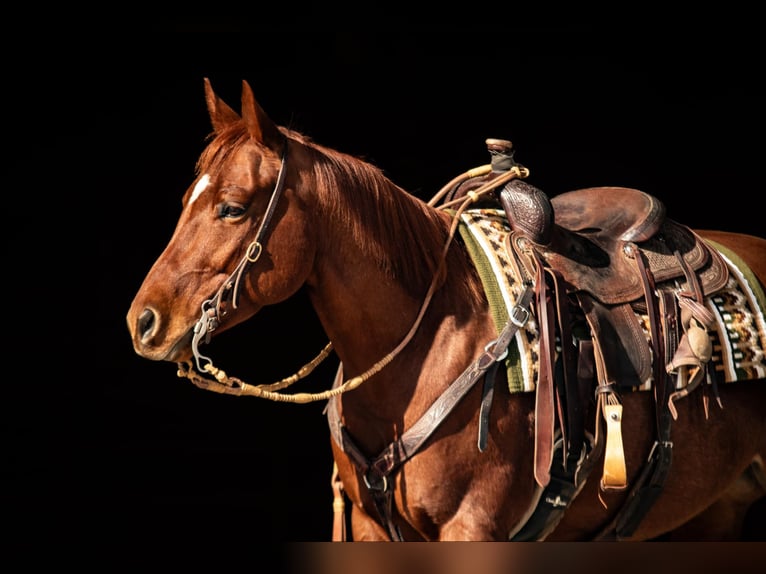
(735, 298)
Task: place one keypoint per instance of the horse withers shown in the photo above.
(480, 400)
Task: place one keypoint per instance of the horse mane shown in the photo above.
(381, 215)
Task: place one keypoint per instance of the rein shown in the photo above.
(214, 310)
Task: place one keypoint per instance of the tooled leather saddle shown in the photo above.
(609, 255)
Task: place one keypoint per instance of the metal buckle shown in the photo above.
(381, 486)
(522, 310)
(502, 356)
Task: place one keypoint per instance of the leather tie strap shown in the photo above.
(571, 394)
(544, 400)
(487, 394)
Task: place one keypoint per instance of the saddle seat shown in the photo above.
(626, 213)
(591, 237)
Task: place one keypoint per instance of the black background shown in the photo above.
(98, 440)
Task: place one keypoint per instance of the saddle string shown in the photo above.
(516, 171)
(695, 348)
(235, 386)
(474, 172)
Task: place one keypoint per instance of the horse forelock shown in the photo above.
(221, 147)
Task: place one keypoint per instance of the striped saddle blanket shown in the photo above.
(738, 338)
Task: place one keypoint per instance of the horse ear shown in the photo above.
(221, 115)
(259, 124)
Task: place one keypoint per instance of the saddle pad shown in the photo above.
(739, 335)
(739, 339)
(483, 232)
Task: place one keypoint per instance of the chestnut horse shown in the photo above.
(431, 441)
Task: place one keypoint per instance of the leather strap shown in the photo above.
(338, 507)
(652, 479)
(487, 394)
(689, 359)
(571, 393)
(529, 262)
(661, 308)
(615, 473)
(544, 403)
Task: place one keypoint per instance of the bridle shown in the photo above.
(215, 309)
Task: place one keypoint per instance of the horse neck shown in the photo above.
(367, 312)
(364, 310)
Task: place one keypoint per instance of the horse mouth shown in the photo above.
(181, 350)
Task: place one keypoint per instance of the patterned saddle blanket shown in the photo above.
(738, 337)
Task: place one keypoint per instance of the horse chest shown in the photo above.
(429, 496)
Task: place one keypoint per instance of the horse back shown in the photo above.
(751, 249)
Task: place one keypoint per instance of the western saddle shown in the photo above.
(601, 258)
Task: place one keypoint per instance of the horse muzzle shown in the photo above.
(148, 342)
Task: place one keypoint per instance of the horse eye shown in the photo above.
(230, 211)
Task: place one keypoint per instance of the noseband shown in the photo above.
(215, 309)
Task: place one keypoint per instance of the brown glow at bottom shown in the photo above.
(526, 558)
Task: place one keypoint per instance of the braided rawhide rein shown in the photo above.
(233, 386)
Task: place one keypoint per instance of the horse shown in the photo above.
(451, 420)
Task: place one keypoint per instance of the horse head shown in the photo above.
(230, 253)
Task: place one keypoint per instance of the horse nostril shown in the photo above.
(146, 323)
